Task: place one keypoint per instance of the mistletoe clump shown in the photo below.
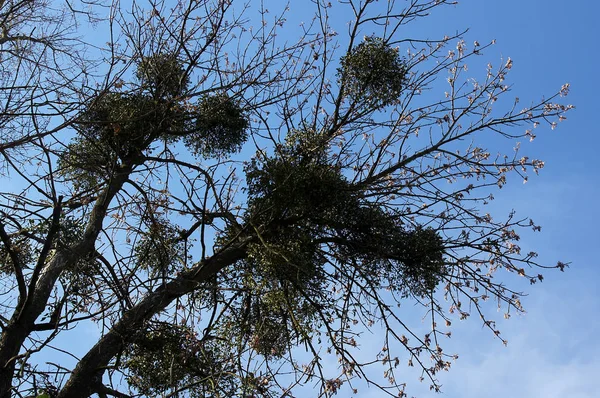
(116, 128)
(163, 75)
(221, 127)
(271, 316)
(160, 249)
(422, 265)
(373, 72)
(407, 261)
(309, 203)
(294, 199)
(22, 251)
(167, 356)
(310, 211)
(273, 323)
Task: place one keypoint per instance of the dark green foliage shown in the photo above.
(28, 248)
(305, 203)
(272, 314)
(306, 200)
(116, 128)
(307, 144)
(113, 128)
(373, 72)
(162, 75)
(160, 249)
(419, 261)
(287, 189)
(86, 163)
(221, 127)
(270, 334)
(274, 321)
(300, 184)
(23, 250)
(294, 197)
(407, 260)
(167, 356)
(127, 123)
(284, 269)
(290, 255)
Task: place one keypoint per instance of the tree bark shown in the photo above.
(89, 371)
(23, 320)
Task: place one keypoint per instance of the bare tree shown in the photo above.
(230, 199)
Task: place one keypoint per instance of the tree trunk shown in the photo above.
(23, 319)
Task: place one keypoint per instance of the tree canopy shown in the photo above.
(232, 196)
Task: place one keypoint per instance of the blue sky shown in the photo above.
(553, 350)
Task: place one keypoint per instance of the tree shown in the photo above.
(229, 206)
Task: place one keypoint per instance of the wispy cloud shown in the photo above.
(553, 352)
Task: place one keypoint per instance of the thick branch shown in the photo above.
(92, 365)
(22, 322)
(17, 266)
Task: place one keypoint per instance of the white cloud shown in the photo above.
(553, 352)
